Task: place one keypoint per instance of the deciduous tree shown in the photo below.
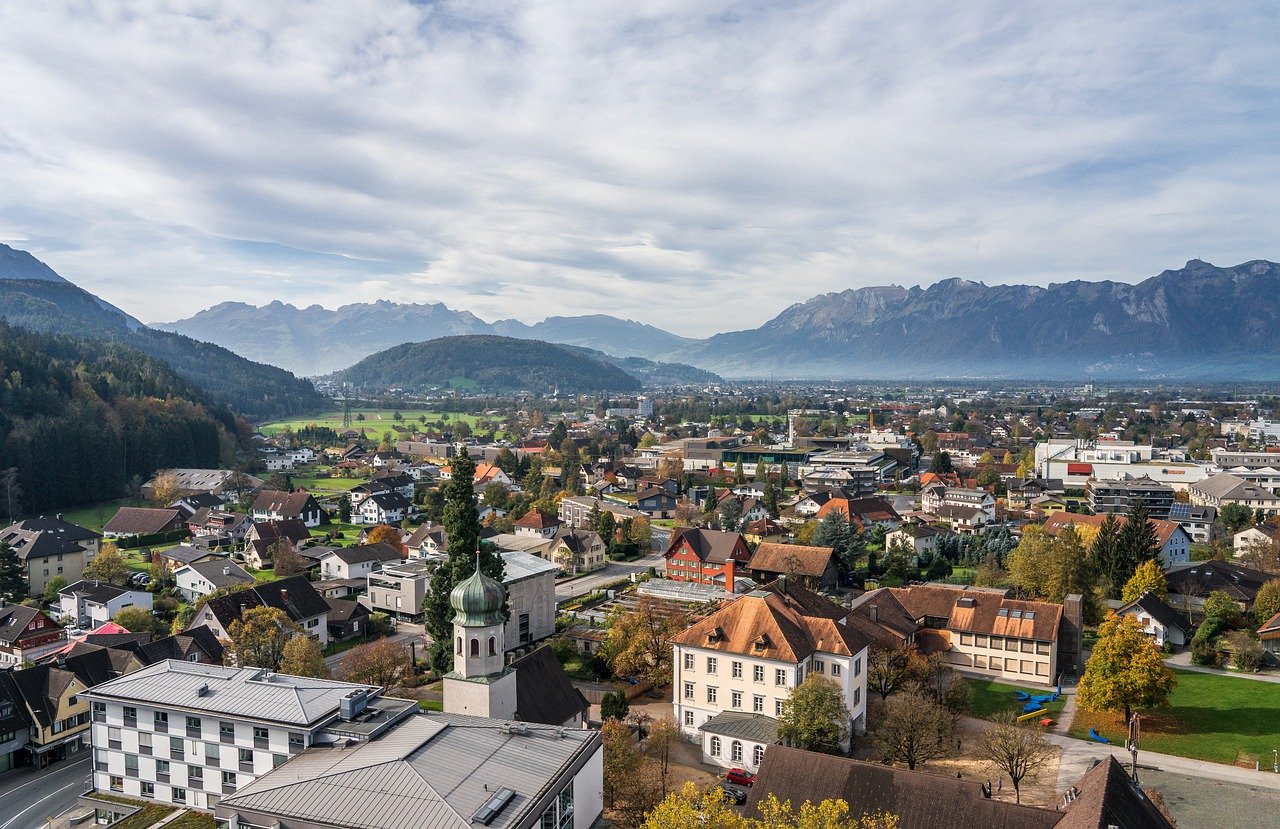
(380, 662)
(287, 561)
(258, 637)
(886, 670)
(1267, 603)
(915, 729)
(639, 641)
(815, 716)
(165, 489)
(135, 619)
(1016, 749)
(302, 657)
(614, 706)
(1147, 578)
(108, 565)
(1126, 670)
(621, 759)
(664, 737)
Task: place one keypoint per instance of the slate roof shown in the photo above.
(1158, 609)
(1200, 578)
(142, 521)
(95, 591)
(286, 504)
(40, 537)
(16, 719)
(711, 546)
(344, 610)
(192, 504)
(42, 686)
(1232, 488)
(295, 596)
(291, 529)
(893, 624)
(185, 554)
(389, 500)
(433, 771)
(380, 551)
(181, 646)
(544, 693)
(14, 619)
(792, 558)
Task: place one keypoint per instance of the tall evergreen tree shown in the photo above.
(13, 576)
(833, 531)
(1138, 542)
(1106, 555)
(461, 523)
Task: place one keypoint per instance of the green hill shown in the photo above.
(492, 364)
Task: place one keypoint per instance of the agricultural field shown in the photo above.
(375, 421)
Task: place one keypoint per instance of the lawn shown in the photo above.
(375, 422)
(1217, 718)
(991, 698)
(95, 517)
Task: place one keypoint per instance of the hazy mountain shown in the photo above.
(486, 363)
(1198, 322)
(652, 372)
(314, 340)
(40, 300)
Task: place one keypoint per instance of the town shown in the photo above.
(935, 606)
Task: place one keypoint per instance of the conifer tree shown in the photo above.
(13, 576)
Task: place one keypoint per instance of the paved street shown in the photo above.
(29, 798)
(406, 632)
(612, 571)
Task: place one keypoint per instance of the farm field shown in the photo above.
(375, 421)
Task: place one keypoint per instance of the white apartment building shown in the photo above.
(735, 668)
(1074, 462)
(189, 734)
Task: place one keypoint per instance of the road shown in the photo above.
(612, 571)
(28, 798)
(406, 632)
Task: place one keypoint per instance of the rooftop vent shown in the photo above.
(495, 804)
(353, 704)
(203, 690)
(967, 601)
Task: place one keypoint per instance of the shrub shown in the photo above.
(1246, 652)
(1206, 655)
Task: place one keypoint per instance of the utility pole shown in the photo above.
(1135, 729)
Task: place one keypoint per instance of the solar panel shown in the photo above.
(1179, 510)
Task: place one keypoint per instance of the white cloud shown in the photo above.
(697, 165)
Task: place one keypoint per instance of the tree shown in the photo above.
(730, 514)
(1147, 578)
(1246, 650)
(692, 808)
(135, 619)
(1235, 517)
(834, 531)
(12, 492)
(386, 534)
(942, 464)
(302, 657)
(606, 526)
(380, 662)
(687, 514)
(640, 532)
(287, 561)
(344, 508)
(1220, 605)
(621, 759)
(51, 588)
(886, 669)
(614, 705)
(1138, 542)
(258, 637)
(664, 737)
(815, 716)
(1267, 602)
(108, 565)
(1106, 555)
(1016, 749)
(671, 465)
(915, 729)
(1126, 670)
(13, 576)
(739, 477)
(165, 489)
(639, 641)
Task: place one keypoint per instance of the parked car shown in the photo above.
(733, 794)
(740, 777)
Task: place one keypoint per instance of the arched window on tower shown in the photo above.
(475, 647)
(493, 646)
(458, 649)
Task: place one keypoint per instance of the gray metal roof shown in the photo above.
(250, 693)
(518, 566)
(433, 771)
(754, 727)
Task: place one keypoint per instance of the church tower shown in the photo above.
(480, 683)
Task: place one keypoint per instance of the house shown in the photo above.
(382, 508)
(577, 551)
(1175, 544)
(425, 541)
(1192, 582)
(744, 660)
(223, 482)
(812, 567)
(15, 725)
(808, 506)
(279, 463)
(189, 505)
(962, 520)
(449, 772)
(867, 512)
(92, 603)
(953, 503)
(203, 577)
(227, 526)
(50, 547)
(1269, 634)
(1223, 489)
(26, 634)
(918, 538)
(295, 596)
(668, 485)
(263, 536)
(274, 505)
(981, 630)
(655, 502)
(357, 562)
(399, 588)
(538, 524)
(1158, 620)
(1104, 798)
(1021, 492)
(175, 558)
(1196, 520)
(53, 695)
(879, 616)
(577, 511)
(347, 619)
(706, 557)
(1259, 535)
(191, 734)
(765, 529)
(397, 482)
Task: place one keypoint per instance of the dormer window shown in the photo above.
(762, 642)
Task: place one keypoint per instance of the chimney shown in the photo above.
(875, 613)
(226, 571)
(284, 594)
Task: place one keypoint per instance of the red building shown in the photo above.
(707, 557)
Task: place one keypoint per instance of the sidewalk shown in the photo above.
(1078, 757)
(1182, 661)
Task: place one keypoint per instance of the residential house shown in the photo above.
(918, 538)
(538, 524)
(812, 567)
(203, 577)
(50, 547)
(982, 630)
(1191, 583)
(1269, 633)
(764, 530)
(866, 512)
(1175, 544)
(707, 557)
(655, 502)
(1259, 535)
(53, 695)
(1158, 620)
(735, 668)
(138, 522)
(809, 504)
(425, 541)
(190, 734)
(1223, 489)
(382, 508)
(957, 504)
(1104, 798)
(175, 558)
(263, 536)
(668, 485)
(577, 551)
(962, 520)
(15, 725)
(274, 505)
(358, 562)
(295, 596)
(226, 526)
(881, 618)
(348, 619)
(26, 634)
(224, 482)
(399, 588)
(399, 483)
(92, 603)
(1196, 520)
(189, 505)
(576, 511)
(1021, 492)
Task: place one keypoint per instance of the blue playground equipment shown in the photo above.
(1031, 706)
(1021, 696)
(1096, 737)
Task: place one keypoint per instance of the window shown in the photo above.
(980, 641)
(493, 646)
(997, 642)
(780, 676)
(688, 718)
(757, 704)
(458, 649)
(835, 669)
(857, 695)
(818, 666)
(1027, 666)
(195, 775)
(99, 712)
(1027, 646)
(131, 765)
(736, 698)
(475, 647)
(261, 736)
(1011, 644)
(737, 670)
(212, 755)
(857, 667)
(966, 638)
(688, 662)
(227, 732)
(144, 742)
(757, 755)
(711, 664)
(117, 783)
(735, 752)
(711, 695)
(1042, 648)
(565, 804)
(228, 778)
(193, 724)
(113, 737)
(1042, 669)
(777, 708)
(688, 690)
(757, 673)
(162, 770)
(162, 721)
(179, 796)
(297, 741)
(131, 713)
(715, 746)
(979, 661)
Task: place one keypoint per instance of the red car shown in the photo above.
(740, 777)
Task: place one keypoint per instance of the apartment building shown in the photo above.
(190, 734)
(1120, 496)
(1223, 489)
(51, 547)
(707, 557)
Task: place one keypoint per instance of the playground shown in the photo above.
(1035, 704)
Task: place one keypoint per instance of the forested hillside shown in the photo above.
(84, 421)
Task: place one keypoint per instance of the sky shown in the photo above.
(693, 164)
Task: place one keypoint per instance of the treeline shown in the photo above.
(87, 421)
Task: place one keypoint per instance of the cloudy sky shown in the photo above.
(694, 164)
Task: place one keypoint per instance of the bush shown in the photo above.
(1168, 646)
(1246, 652)
(1205, 655)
